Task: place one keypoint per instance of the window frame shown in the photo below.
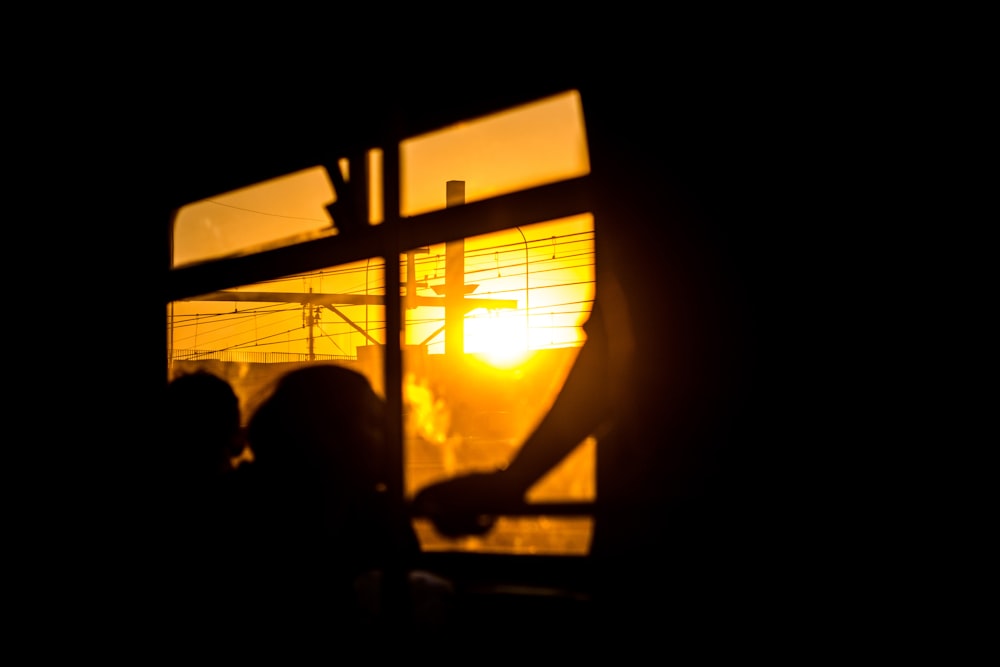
(389, 240)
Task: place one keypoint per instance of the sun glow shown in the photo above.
(499, 337)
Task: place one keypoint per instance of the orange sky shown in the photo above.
(533, 145)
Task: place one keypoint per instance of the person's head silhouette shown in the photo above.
(203, 424)
(322, 423)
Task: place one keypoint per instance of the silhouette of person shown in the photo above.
(326, 540)
(657, 380)
(206, 504)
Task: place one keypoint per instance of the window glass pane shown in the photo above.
(279, 212)
(531, 145)
(475, 386)
(250, 335)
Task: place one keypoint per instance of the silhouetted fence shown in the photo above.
(247, 356)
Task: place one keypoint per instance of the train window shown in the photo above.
(492, 302)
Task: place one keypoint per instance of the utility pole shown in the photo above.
(311, 320)
(454, 282)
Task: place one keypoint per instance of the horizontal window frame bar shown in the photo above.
(562, 509)
(389, 239)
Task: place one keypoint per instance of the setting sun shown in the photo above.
(499, 337)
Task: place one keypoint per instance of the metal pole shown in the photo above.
(527, 304)
(454, 281)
